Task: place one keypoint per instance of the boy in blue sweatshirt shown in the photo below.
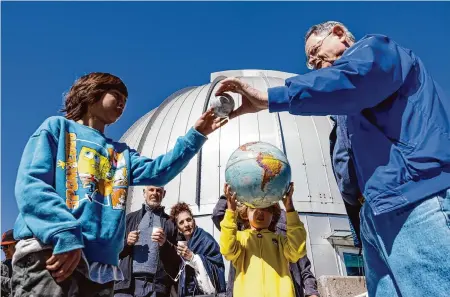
(71, 192)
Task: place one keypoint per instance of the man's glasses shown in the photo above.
(312, 60)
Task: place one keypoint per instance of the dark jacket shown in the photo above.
(205, 246)
(162, 280)
(6, 278)
(302, 276)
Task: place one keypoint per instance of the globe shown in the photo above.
(259, 173)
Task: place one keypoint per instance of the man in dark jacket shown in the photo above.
(143, 272)
(304, 281)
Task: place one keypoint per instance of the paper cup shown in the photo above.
(155, 229)
(182, 243)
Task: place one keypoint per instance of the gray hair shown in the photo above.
(325, 28)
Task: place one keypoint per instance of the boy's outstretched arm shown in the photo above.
(230, 247)
(294, 244)
(163, 169)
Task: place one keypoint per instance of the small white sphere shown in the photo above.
(222, 105)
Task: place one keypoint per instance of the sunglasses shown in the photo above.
(5, 247)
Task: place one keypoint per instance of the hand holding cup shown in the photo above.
(184, 251)
(158, 235)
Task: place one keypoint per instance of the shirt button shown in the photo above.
(259, 235)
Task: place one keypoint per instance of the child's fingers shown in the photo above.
(228, 191)
(292, 187)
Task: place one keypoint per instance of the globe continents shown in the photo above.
(259, 173)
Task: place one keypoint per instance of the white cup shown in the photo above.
(182, 243)
(155, 229)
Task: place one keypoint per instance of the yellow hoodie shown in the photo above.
(261, 258)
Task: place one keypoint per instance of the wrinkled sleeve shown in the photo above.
(369, 72)
(169, 259)
(346, 178)
(161, 170)
(219, 211)
(308, 279)
(5, 280)
(43, 210)
(230, 247)
(294, 243)
(203, 279)
(344, 171)
(127, 249)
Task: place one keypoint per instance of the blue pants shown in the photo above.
(407, 252)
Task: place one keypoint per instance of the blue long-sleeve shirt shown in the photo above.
(72, 184)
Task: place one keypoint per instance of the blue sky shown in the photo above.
(158, 48)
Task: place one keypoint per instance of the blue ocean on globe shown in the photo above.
(259, 173)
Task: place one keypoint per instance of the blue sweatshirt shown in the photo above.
(398, 119)
(72, 184)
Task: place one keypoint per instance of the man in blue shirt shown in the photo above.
(397, 139)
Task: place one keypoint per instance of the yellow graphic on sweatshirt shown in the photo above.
(93, 176)
(72, 199)
(119, 198)
(121, 177)
(94, 171)
(61, 164)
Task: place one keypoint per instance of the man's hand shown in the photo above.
(133, 237)
(287, 200)
(209, 123)
(253, 100)
(159, 236)
(61, 266)
(231, 197)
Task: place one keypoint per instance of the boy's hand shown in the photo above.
(61, 266)
(133, 237)
(209, 123)
(231, 197)
(287, 200)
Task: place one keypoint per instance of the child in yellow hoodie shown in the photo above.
(261, 257)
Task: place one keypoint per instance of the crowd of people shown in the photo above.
(390, 159)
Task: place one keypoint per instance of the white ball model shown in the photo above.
(222, 105)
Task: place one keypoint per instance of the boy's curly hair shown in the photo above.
(243, 218)
(179, 208)
(89, 89)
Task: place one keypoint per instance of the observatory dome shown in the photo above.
(304, 139)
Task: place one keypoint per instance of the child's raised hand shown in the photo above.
(209, 122)
(287, 199)
(231, 197)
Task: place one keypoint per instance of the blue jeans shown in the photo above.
(407, 252)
